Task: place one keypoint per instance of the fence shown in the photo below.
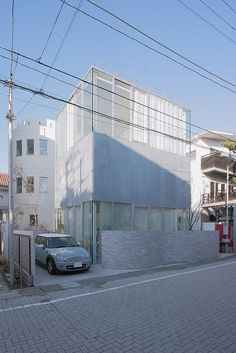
(24, 257)
(136, 250)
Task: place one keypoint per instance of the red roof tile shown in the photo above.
(4, 180)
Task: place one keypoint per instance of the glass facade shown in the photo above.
(87, 221)
(110, 106)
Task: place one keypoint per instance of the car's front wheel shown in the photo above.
(51, 267)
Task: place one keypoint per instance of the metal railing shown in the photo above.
(219, 197)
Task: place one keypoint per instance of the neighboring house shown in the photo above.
(209, 160)
(4, 202)
(4, 182)
(34, 164)
(121, 164)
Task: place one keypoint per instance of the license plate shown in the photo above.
(78, 264)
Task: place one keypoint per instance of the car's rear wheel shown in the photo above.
(51, 267)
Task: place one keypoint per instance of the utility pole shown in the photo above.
(10, 117)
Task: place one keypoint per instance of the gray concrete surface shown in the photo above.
(134, 250)
(178, 310)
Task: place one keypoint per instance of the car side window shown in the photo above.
(38, 240)
(44, 242)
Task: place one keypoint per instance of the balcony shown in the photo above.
(220, 197)
(214, 166)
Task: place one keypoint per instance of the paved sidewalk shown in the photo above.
(175, 309)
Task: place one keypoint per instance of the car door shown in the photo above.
(41, 249)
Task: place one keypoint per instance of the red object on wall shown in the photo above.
(220, 228)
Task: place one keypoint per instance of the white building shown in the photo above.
(209, 160)
(121, 161)
(34, 164)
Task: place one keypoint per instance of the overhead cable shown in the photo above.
(157, 41)
(105, 89)
(218, 15)
(210, 24)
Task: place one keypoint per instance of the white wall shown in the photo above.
(35, 165)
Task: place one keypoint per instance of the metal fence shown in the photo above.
(24, 257)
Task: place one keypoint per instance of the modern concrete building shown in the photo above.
(34, 164)
(121, 161)
(209, 161)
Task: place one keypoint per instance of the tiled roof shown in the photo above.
(4, 180)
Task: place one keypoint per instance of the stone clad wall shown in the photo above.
(136, 250)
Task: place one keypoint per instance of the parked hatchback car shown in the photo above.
(61, 252)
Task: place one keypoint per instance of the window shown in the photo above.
(30, 184)
(33, 220)
(43, 184)
(43, 147)
(19, 185)
(30, 146)
(19, 148)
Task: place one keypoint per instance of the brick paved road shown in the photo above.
(186, 310)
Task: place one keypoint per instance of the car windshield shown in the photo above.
(61, 242)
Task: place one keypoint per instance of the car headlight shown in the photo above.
(59, 256)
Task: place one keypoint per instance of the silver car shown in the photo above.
(60, 252)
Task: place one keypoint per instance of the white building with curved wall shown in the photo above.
(33, 163)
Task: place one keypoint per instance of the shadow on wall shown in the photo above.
(126, 172)
(132, 172)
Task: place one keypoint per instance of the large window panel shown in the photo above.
(103, 104)
(122, 110)
(121, 216)
(140, 116)
(169, 219)
(155, 216)
(140, 218)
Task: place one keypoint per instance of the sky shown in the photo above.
(90, 43)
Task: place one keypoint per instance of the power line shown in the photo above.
(56, 55)
(157, 42)
(52, 29)
(106, 116)
(63, 40)
(231, 8)
(107, 90)
(203, 19)
(110, 101)
(153, 49)
(218, 15)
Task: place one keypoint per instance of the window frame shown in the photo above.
(28, 147)
(19, 186)
(42, 147)
(18, 143)
(28, 184)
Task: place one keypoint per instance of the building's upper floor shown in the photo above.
(34, 138)
(109, 105)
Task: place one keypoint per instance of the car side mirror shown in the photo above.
(78, 243)
(41, 246)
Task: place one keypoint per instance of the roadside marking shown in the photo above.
(53, 301)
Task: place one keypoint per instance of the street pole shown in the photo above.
(10, 117)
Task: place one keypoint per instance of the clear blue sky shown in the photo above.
(90, 43)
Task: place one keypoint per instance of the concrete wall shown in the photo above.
(137, 250)
(74, 174)
(131, 172)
